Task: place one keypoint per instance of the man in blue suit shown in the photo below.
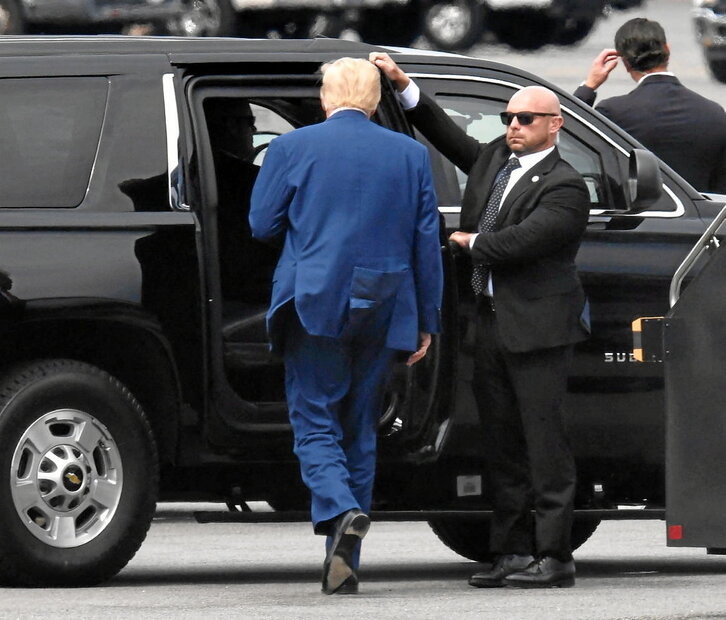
(360, 276)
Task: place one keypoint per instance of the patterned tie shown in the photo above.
(480, 274)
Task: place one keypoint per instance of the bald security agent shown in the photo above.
(523, 214)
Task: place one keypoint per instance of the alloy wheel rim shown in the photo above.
(66, 478)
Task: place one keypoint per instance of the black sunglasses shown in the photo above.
(524, 118)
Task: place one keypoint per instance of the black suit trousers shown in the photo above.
(519, 397)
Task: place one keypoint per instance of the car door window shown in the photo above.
(268, 125)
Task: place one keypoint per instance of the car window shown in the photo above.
(49, 133)
(239, 130)
(479, 117)
(268, 125)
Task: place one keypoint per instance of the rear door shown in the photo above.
(247, 405)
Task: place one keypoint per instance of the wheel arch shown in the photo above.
(127, 344)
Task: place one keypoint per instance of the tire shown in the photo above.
(717, 68)
(454, 24)
(205, 18)
(573, 31)
(582, 529)
(471, 538)
(79, 475)
(624, 5)
(11, 18)
(523, 29)
(467, 538)
(395, 27)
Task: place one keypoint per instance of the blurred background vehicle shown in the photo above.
(452, 25)
(529, 24)
(709, 18)
(28, 16)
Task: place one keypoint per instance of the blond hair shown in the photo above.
(351, 83)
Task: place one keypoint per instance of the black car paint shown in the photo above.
(125, 269)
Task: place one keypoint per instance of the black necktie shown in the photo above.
(480, 274)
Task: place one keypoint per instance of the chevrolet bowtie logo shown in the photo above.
(72, 478)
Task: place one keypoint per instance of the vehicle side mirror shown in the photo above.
(645, 184)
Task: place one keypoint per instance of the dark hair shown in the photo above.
(642, 43)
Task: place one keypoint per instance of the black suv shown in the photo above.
(135, 364)
(709, 21)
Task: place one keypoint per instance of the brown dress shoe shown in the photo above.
(349, 528)
(503, 566)
(547, 572)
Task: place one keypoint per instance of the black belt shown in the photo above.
(485, 303)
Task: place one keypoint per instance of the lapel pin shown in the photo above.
(535, 178)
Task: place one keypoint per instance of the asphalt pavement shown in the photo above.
(272, 571)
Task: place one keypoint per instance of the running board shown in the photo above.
(293, 516)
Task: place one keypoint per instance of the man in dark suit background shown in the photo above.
(360, 276)
(686, 130)
(523, 214)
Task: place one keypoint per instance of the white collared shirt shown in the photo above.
(526, 163)
(341, 109)
(647, 75)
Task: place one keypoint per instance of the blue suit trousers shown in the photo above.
(335, 396)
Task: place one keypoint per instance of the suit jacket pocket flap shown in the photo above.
(371, 287)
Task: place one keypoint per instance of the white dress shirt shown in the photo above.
(647, 75)
(344, 108)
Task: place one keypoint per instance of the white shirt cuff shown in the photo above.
(410, 96)
(472, 239)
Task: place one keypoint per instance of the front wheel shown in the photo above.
(78, 475)
(453, 24)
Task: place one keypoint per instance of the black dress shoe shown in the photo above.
(504, 565)
(350, 585)
(349, 528)
(547, 572)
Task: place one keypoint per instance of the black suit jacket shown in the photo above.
(538, 295)
(687, 131)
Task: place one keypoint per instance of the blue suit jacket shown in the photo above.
(356, 205)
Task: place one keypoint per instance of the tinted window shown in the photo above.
(269, 125)
(240, 129)
(49, 132)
